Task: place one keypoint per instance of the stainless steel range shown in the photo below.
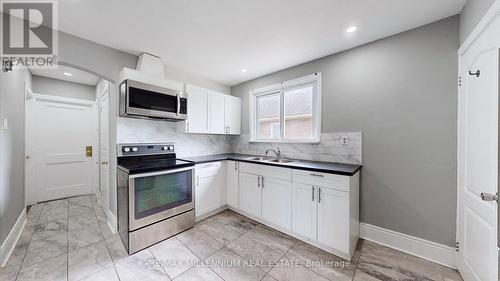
(155, 194)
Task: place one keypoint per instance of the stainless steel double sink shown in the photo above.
(271, 159)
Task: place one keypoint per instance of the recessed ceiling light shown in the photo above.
(67, 74)
(351, 29)
(243, 70)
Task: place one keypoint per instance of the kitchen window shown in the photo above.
(287, 112)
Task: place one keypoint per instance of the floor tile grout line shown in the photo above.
(223, 246)
(29, 243)
(67, 246)
(158, 262)
(104, 238)
(201, 260)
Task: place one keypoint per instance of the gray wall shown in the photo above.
(401, 93)
(55, 87)
(12, 148)
(471, 14)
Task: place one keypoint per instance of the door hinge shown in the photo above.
(457, 246)
(459, 81)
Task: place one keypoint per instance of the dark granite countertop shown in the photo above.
(315, 166)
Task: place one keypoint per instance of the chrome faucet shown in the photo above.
(276, 151)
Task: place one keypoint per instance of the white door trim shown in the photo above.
(483, 24)
(49, 98)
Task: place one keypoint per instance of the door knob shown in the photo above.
(489, 197)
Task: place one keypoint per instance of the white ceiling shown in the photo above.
(215, 39)
(78, 76)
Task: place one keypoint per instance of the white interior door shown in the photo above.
(104, 144)
(63, 129)
(478, 158)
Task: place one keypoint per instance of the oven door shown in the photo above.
(159, 195)
(144, 100)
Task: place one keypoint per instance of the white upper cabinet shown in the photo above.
(232, 108)
(210, 112)
(216, 113)
(197, 110)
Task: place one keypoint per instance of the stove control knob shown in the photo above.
(126, 149)
(165, 148)
(171, 147)
(134, 149)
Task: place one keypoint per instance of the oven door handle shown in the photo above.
(166, 172)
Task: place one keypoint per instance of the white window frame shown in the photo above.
(315, 79)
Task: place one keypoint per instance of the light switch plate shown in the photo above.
(5, 124)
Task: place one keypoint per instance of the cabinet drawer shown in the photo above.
(208, 169)
(266, 171)
(321, 179)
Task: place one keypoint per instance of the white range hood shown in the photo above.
(150, 70)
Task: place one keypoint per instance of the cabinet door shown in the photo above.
(232, 183)
(304, 204)
(215, 113)
(197, 110)
(333, 218)
(250, 194)
(232, 115)
(208, 194)
(277, 201)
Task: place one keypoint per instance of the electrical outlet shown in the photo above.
(344, 140)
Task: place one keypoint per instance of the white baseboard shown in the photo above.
(422, 248)
(10, 242)
(111, 221)
(211, 213)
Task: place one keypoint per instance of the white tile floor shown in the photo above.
(70, 240)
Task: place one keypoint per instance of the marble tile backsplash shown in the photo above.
(150, 131)
(329, 149)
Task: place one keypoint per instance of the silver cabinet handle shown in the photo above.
(258, 181)
(236, 166)
(316, 175)
(319, 194)
(312, 193)
(262, 182)
(489, 197)
(198, 180)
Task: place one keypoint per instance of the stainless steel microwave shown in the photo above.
(141, 100)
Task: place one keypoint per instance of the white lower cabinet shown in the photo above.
(304, 210)
(319, 208)
(277, 201)
(209, 188)
(250, 194)
(232, 183)
(333, 218)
